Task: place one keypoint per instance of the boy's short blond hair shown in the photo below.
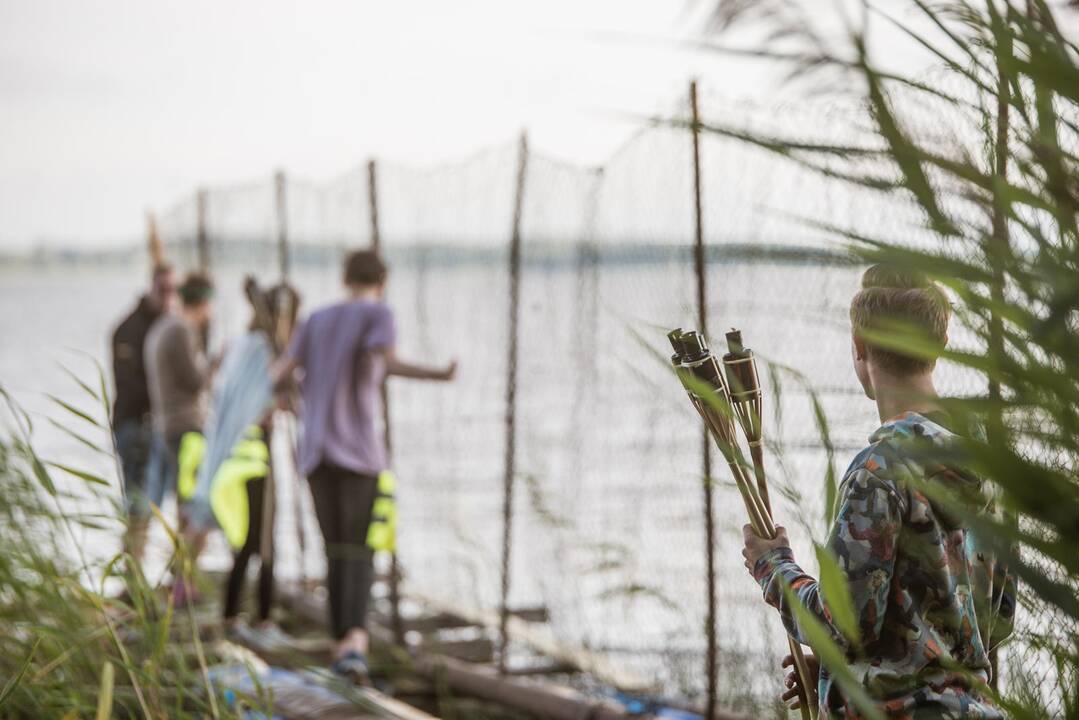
(893, 295)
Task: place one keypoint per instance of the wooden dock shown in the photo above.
(447, 665)
(467, 666)
(313, 694)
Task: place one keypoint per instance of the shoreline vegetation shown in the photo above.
(1000, 202)
(67, 650)
(83, 637)
(1004, 210)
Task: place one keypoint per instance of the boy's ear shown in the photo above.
(859, 348)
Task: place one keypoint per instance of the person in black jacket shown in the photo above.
(132, 431)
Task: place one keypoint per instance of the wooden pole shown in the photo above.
(398, 628)
(202, 239)
(202, 249)
(269, 494)
(998, 250)
(511, 400)
(153, 242)
(372, 203)
(701, 269)
(281, 204)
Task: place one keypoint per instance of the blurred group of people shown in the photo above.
(928, 598)
(202, 429)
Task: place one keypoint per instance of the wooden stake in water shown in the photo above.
(701, 270)
(511, 403)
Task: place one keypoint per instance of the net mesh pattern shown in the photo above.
(608, 528)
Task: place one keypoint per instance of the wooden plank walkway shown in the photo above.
(514, 691)
(310, 695)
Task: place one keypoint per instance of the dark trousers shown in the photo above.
(252, 546)
(343, 504)
(133, 438)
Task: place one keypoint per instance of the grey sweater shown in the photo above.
(177, 376)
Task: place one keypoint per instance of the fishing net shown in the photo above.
(608, 530)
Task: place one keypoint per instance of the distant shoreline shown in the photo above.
(550, 255)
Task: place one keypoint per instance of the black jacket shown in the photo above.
(128, 368)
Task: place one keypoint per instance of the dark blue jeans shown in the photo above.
(134, 446)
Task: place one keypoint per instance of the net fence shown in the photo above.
(608, 529)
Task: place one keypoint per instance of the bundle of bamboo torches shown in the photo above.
(719, 398)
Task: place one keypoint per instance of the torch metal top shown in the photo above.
(694, 346)
(734, 342)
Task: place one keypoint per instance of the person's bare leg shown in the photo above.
(194, 538)
(135, 538)
(196, 543)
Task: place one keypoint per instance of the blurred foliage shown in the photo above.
(67, 649)
(999, 202)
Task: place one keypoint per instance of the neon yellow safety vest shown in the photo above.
(192, 450)
(250, 459)
(382, 532)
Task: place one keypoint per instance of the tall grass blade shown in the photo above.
(82, 415)
(13, 683)
(104, 699)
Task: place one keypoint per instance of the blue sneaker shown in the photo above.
(353, 666)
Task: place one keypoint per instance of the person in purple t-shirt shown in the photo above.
(343, 352)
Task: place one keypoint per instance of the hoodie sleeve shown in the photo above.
(863, 542)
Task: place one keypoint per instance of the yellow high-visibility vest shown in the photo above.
(382, 532)
(250, 459)
(192, 450)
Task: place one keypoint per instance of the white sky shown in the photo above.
(110, 107)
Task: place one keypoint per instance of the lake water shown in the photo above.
(608, 529)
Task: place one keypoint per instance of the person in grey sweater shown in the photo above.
(176, 368)
(178, 377)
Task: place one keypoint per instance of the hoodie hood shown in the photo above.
(941, 454)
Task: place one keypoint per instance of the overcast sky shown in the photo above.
(113, 107)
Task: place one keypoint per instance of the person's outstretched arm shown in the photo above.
(862, 541)
(400, 368)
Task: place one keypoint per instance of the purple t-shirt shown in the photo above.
(339, 349)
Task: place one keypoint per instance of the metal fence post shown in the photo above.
(701, 269)
(511, 400)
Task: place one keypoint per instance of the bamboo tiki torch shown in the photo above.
(693, 359)
(744, 387)
(717, 402)
(745, 392)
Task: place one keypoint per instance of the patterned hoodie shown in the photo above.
(930, 600)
